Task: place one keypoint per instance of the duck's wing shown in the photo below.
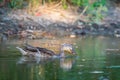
(46, 51)
(42, 50)
(30, 48)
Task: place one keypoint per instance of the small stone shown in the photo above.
(72, 35)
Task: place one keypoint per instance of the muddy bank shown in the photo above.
(17, 23)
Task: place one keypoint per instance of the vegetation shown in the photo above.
(15, 3)
(93, 9)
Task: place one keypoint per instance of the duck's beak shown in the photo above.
(73, 52)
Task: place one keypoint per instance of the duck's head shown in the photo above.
(67, 48)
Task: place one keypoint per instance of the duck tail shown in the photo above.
(22, 51)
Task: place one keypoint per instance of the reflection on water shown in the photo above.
(65, 63)
(93, 62)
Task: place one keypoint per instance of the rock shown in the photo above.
(117, 33)
(80, 32)
(58, 29)
(95, 26)
(80, 23)
(1, 11)
(3, 37)
(114, 25)
(73, 35)
(22, 34)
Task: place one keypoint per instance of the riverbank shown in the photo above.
(55, 23)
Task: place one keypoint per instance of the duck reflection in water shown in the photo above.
(32, 60)
(65, 63)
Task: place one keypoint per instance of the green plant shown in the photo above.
(64, 4)
(77, 2)
(16, 3)
(1, 0)
(96, 9)
(93, 8)
(34, 3)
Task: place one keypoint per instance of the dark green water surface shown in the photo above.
(98, 58)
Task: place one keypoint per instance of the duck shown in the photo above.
(29, 50)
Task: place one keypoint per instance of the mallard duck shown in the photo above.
(43, 52)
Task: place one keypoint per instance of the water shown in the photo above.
(98, 59)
